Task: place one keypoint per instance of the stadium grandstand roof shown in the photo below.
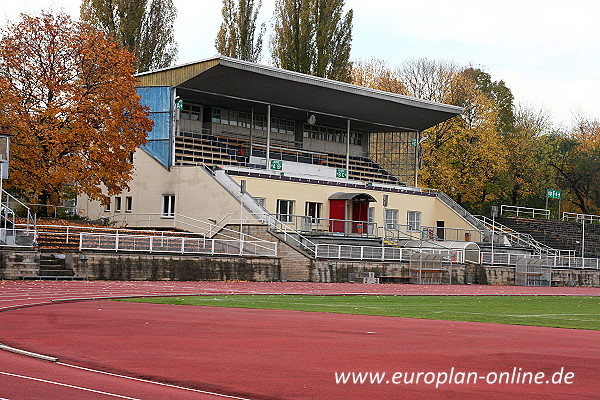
(235, 84)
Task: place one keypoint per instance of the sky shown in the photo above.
(547, 52)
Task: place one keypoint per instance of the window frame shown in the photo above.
(413, 224)
(168, 206)
(287, 217)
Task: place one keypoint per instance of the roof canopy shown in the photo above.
(241, 85)
(360, 197)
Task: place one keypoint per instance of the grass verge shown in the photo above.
(549, 311)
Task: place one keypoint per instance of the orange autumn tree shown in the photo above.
(68, 98)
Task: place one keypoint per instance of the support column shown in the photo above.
(251, 126)
(417, 144)
(268, 153)
(348, 149)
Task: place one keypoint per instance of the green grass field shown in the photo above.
(551, 311)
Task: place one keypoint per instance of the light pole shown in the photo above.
(494, 214)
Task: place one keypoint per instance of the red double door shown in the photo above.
(342, 211)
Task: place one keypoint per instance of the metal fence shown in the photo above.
(178, 245)
(560, 262)
(588, 218)
(335, 251)
(524, 212)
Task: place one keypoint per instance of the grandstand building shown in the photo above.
(318, 161)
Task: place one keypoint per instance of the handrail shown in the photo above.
(554, 261)
(175, 244)
(525, 211)
(589, 218)
(520, 239)
(383, 253)
(175, 219)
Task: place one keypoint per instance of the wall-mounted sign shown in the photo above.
(276, 165)
(341, 173)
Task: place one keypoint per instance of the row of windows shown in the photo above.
(281, 125)
(285, 212)
(117, 202)
(413, 219)
(331, 134)
(242, 119)
(168, 205)
(191, 111)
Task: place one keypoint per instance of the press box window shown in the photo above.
(168, 206)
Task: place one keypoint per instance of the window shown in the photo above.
(313, 210)
(413, 220)
(260, 122)
(216, 115)
(391, 219)
(117, 204)
(331, 134)
(191, 111)
(260, 201)
(371, 220)
(107, 206)
(128, 204)
(168, 206)
(285, 210)
(282, 125)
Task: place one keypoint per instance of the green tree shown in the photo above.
(577, 173)
(527, 157)
(237, 37)
(464, 155)
(313, 37)
(499, 94)
(144, 27)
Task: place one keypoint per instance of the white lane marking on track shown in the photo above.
(69, 386)
(3, 398)
(154, 382)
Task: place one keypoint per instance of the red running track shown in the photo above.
(280, 354)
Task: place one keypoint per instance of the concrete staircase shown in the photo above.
(52, 266)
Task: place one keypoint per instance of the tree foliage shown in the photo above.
(313, 37)
(237, 37)
(70, 101)
(144, 27)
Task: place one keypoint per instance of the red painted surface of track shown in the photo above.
(272, 354)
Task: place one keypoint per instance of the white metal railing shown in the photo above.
(308, 224)
(179, 221)
(383, 253)
(517, 238)
(70, 233)
(174, 244)
(554, 261)
(588, 218)
(525, 211)
(10, 233)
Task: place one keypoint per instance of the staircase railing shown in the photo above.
(8, 221)
(517, 238)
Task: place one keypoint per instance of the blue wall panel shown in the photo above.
(159, 100)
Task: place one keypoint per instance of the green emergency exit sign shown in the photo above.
(553, 193)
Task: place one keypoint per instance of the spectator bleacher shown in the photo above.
(230, 149)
